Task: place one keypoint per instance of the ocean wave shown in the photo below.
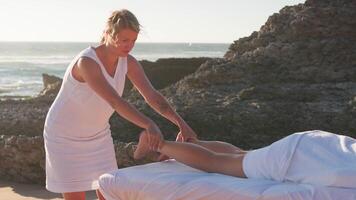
(57, 59)
(2, 90)
(15, 68)
(20, 87)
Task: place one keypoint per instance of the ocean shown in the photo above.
(22, 63)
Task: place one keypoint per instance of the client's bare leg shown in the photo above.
(217, 146)
(197, 156)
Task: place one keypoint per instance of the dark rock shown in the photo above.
(51, 85)
(165, 72)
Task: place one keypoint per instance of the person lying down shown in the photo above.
(312, 157)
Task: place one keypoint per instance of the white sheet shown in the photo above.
(315, 157)
(171, 180)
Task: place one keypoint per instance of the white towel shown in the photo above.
(313, 157)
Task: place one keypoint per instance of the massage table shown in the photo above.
(171, 180)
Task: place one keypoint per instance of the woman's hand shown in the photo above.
(185, 133)
(155, 136)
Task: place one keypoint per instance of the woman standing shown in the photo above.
(78, 142)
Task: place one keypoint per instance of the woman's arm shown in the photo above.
(154, 98)
(90, 71)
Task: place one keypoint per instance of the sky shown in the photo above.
(193, 21)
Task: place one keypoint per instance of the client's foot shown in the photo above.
(142, 147)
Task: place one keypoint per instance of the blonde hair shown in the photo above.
(119, 19)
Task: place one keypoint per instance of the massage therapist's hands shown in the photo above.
(185, 133)
(155, 136)
(179, 138)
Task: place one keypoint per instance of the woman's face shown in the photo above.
(125, 41)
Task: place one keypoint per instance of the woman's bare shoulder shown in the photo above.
(132, 63)
(131, 59)
(86, 62)
(85, 66)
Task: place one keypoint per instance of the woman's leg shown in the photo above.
(196, 156)
(74, 196)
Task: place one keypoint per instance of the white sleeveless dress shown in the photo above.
(78, 143)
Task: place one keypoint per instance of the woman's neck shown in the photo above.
(107, 55)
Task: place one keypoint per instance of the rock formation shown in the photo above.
(298, 72)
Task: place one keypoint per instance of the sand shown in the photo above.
(18, 191)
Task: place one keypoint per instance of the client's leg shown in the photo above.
(197, 156)
(217, 146)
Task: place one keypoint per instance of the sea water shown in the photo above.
(22, 63)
